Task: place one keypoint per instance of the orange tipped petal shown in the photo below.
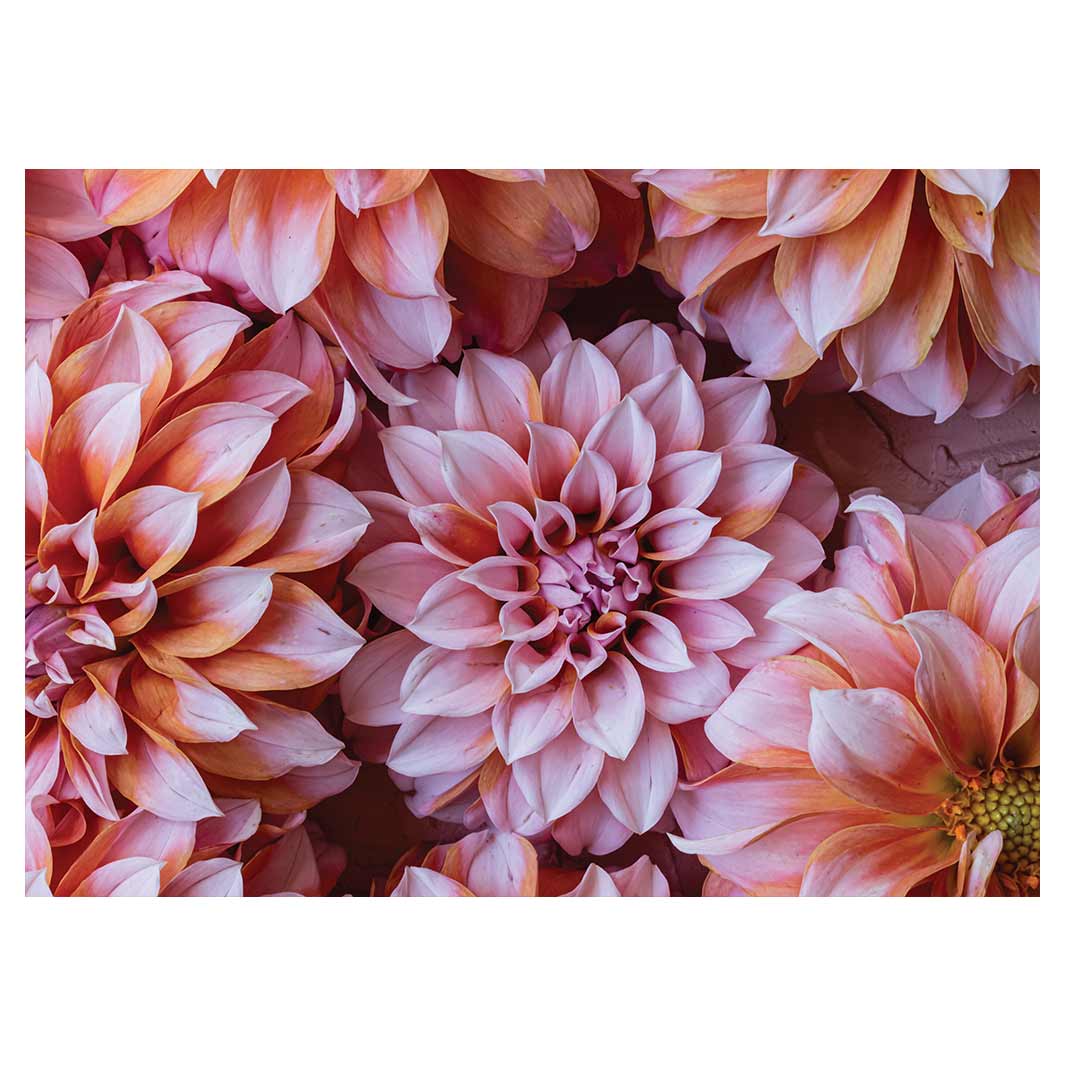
(282, 223)
(835, 280)
(398, 247)
(126, 197)
(988, 186)
(732, 193)
(298, 642)
(357, 189)
(806, 203)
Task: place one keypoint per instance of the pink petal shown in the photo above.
(638, 789)
(125, 197)
(874, 746)
(988, 186)
(590, 827)
(55, 280)
(480, 469)
(413, 456)
(655, 642)
(639, 351)
(831, 281)
(961, 689)
(125, 878)
(578, 388)
(398, 246)
(282, 225)
(370, 682)
(626, 439)
(552, 454)
(684, 479)
(877, 860)
(608, 707)
(557, 777)
(493, 864)
(425, 745)
(736, 411)
(721, 568)
(846, 628)
(213, 878)
(688, 695)
(999, 587)
(357, 189)
(425, 883)
(498, 395)
(455, 614)
(453, 683)
(707, 624)
(672, 406)
(434, 388)
(766, 720)
(58, 207)
(754, 481)
(805, 203)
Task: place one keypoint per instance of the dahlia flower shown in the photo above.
(236, 853)
(575, 555)
(173, 518)
(899, 751)
(374, 247)
(503, 864)
(925, 285)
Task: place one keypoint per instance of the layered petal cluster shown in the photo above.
(376, 259)
(899, 751)
(490, 864)
(176, 520)
(239, 852)
(921, 286)
(575, 545)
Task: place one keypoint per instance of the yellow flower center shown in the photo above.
(1006, 800)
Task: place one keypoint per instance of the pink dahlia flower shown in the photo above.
(240, 852)
(382, 252)
(173, 517)
(899, 751)
(575, 557)
(503, 864)
(924, 285)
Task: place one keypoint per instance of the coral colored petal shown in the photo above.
(877, 860)
(806, 203)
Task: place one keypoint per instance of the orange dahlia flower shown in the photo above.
(899, 751)
(403, 244)
(923, 284)
(174, 521)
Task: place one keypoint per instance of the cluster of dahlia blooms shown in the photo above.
(898, 751)
(316, 475)
(922, 287)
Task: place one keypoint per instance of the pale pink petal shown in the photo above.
(805, 203)
(590, 827)
(721, 568)
(578, 388)
(498, 395)
(557, 777)
(684, 479)
(370, 682)
(672, 406)
(524, 723)
(480, 469)
(608, 707)
(125, 878)
(493, 864)
(639, 351)
(638, 789)
(688, 695)
(453, 683)
(754, 480)
(453, 613)
(213, 878)
(58, 207)
(626, 439)
(413, 456)
(766, 720)
(55, 280)
(426, 745)
(425, 883)
(988, 186)
(434, 388)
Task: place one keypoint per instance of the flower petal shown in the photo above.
(637, 790)
(608, 707)
(455, 614)
(480, 469)
(497, 395)
(453, 683)
(578, 388)
(425, 745)
(806, 203)
(493, 865)
(558, 776)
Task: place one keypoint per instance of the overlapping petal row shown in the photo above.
(898, 751)
(577, 545)
(182, 506)
(918, 287)
(505, 865)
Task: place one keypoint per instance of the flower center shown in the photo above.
(1007, 800)
(594, 577)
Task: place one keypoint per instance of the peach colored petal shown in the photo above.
(1017, 219)
(961, 689)
(357, 189)
(397, 247)
(754, 481)
(298, 642)
(125, 197)
(807, 203)
(964, 221)
(988, 186)
(877, 860)
(733, 193)
(213, 878)
(874, 746)
(282, 224)
(832, 281)
(515, 227)
(616, 247)
(157, 524)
